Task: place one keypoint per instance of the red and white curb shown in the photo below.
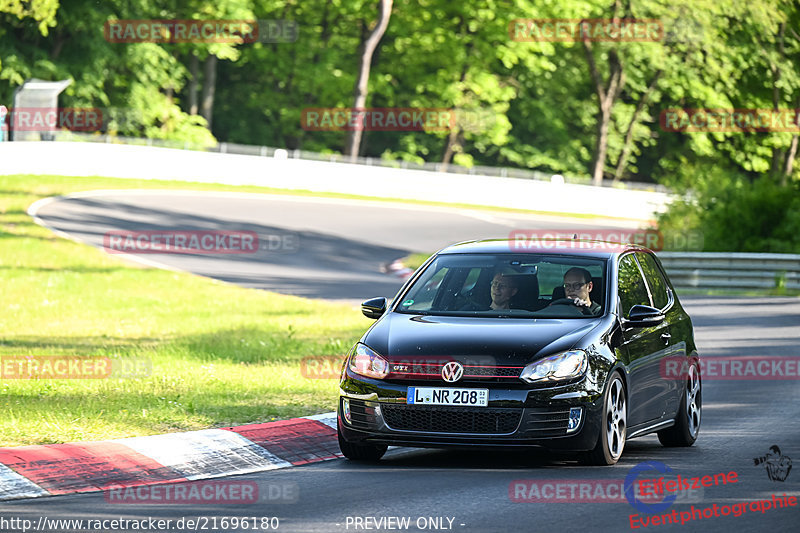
(51, 469)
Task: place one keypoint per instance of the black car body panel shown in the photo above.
(493, 352)
(512, 341)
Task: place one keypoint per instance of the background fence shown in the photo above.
(267, 151)
(712, 270)
(128, 161)
(693, 270)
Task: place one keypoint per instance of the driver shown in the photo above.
(577, 286)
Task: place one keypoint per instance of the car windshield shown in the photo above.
(508, 285)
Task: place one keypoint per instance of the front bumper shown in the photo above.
(515, 416)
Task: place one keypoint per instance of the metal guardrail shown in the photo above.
(268, 151)
(712, 270)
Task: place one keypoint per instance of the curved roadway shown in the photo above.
(311, 247)
(343, 244)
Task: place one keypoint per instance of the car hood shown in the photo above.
(508, 341)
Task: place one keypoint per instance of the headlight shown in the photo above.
(366, 362)
(558, 367)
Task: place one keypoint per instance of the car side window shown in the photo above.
(462, 286)
(471, 280)
(423, 298)
(550, 276)
(632, 290)
(655, 280)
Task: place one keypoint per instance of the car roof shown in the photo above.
(578, 247)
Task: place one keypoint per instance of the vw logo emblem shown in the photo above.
(452, 372)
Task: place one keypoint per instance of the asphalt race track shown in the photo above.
(342, 245)
(334, 248)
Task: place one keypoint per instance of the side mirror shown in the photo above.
(642, 316)
(374, 307)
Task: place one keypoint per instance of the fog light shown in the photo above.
(346, 410)
(574, 419)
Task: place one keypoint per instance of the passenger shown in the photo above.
(504, 287)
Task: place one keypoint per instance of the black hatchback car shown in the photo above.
(563, 345)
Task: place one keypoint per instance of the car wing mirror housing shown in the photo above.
(374, 307)
(641, 316)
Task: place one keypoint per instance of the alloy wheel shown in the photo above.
(616, 414)
(693, 401)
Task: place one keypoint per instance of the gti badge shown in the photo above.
(452, 372)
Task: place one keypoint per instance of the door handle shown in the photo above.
(666, 337)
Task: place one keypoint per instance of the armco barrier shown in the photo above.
(712, 270)
(268, 151)
(630, 207)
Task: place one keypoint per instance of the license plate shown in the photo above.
(447, 396)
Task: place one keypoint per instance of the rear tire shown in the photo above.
(687, 424)
(360, 452)
(614, 427)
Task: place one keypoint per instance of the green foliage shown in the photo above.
(41, 11)
(735, 214)
(532, 105)
(132, 82)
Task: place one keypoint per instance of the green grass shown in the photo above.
(414, 261)
(221, 355)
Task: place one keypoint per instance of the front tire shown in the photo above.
(614, 427)
(687, 424)
(360, 452)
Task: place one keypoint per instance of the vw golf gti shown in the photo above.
(562, 345)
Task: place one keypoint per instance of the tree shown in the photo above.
(362, 80)
(42, 11)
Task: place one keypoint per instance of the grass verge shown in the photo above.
(221, 355)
